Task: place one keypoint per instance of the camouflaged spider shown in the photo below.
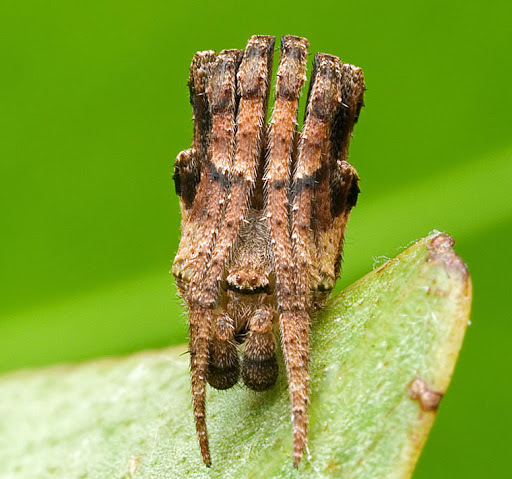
(264, 210)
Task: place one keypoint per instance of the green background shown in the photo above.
(94, 108)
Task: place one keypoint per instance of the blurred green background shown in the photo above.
(94, 107)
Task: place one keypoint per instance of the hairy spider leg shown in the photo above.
(253, 83)
(253, 80)
(291, 76)
(337, 192)
(191, 169)
(323, 99)
(200, 323)
(222, 98)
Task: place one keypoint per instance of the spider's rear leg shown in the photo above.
(337, 193)
(259, 367)
(223, 362)
(200, 322)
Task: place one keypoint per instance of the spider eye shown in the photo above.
(248, 281)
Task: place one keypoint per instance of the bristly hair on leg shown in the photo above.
(294, 322)
(222, 98)
(253, 84)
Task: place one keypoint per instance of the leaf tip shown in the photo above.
(441, 251)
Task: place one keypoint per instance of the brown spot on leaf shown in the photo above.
(441, 250)
(442, 241)
(428, 398)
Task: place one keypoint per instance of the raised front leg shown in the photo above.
(190, 179)
(253, 85)
(294, 323)
(337, 190)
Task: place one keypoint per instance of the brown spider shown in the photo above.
(264, 210)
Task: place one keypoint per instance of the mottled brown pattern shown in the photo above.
(343, 185)
(291, 75)
(264, 211)
(223, 100)
(200, 73)
(254, 81)
(324, 98)
(187, 167)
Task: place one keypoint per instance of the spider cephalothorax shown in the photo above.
(264, 210)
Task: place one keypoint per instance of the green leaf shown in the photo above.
(383, 352)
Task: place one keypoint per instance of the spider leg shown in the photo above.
(253, 80)
(222, 97)
(189, 182)
(200, 71)
(337, 193)
(200, 331)
(253, 84)
(323, 100)
(291, 75)
(259, 367)
(208, 208)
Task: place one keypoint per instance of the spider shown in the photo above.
(264, 209)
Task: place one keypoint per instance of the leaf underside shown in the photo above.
(382, 355)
